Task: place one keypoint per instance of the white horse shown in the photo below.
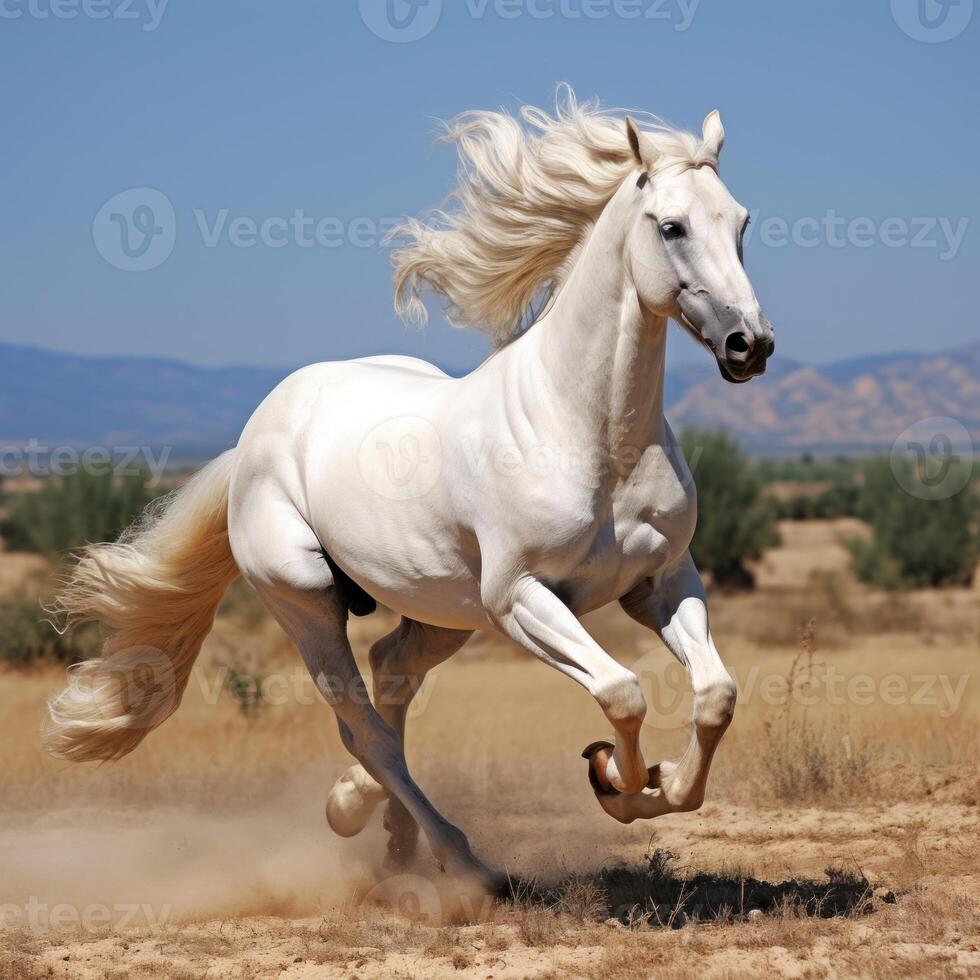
(541, 486)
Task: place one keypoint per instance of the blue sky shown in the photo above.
(852, 134)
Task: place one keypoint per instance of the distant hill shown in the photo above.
(853, 405)
(70, 400)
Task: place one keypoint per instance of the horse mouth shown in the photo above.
(734, 379)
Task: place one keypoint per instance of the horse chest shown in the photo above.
(638, 532)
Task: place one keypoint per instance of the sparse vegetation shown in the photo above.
(885, 791)
(804, 759)
(28, 637)
(840, 497)
(927, 539)
(69, 511)
(245, 688)
(807, 469)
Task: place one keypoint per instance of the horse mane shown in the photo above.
(529, 191)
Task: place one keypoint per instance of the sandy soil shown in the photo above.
(839, 837)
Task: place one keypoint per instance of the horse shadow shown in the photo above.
(658, 894)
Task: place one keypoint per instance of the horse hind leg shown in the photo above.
(314, 617)
(399, 663)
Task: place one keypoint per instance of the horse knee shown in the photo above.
(385, 651)
(621, 699)
(714, 707)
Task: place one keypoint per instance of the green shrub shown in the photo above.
(246, 688)
(26, 636)
(840, 499)
(69, 511)
(806, 469)
(923, 540)
(735, 522)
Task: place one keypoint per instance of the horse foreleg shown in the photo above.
(533, 616)
(674, 606)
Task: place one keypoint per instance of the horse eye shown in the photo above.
(671, 230)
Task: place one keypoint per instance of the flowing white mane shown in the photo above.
(529, 191)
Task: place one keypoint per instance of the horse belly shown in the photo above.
(404, 557)
(380, 504)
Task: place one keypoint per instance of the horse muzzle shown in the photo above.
(744, 355)
(741, 342)
(745, 352)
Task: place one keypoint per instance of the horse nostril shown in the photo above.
(737, 344)
(770, 347)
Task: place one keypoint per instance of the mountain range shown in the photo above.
(855, 405)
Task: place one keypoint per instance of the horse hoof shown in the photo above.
(615, 803)
(599, 754)
(352, 801)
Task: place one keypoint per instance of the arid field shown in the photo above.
(841, 836)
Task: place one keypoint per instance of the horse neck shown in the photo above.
(603, 353)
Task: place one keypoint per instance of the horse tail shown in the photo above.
(155, 591)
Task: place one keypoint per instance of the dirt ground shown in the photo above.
(841, 835)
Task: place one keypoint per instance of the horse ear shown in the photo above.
(713, 133)
(644, 152)
(633, 135)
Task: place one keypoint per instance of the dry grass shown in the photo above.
(850, 755)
